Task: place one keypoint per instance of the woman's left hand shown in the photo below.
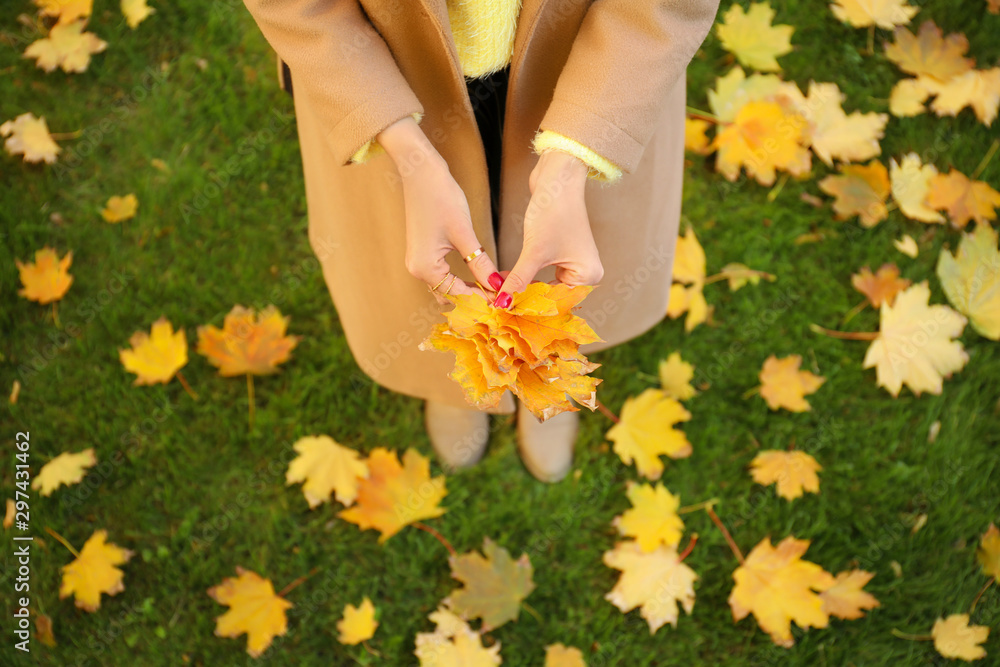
(556, 228)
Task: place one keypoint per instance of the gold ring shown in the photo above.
(434, 289)
(476, 253)
(450, 284)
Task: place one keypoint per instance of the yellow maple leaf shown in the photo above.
(907, 98)
(358, 623)
(47, 278)
(675, 377)
(29, 136)
(66, 10)
(558, 655)
(911, 182)
(735, 89)
(689, 259)
(93, 572)
(845, 599)
(248, 343)
(762, 138)
(646, 431)
(68, 468)
(978, 89)
(690, 300)
(906, 245)
(955, 638)
(751, 37)
(326, 467)
(136, 11)
(254, 609)
(453, 644)
(657, 582)
(962, 198)
(794, 472)
(120, 208)
(880, 287)
(971, 279)
(914, 345)
(835, 135)
(929, 53)
(783, 385)
(530, 348)
(157, 356)
(859, 190)
(653, 518)
(778, 587)
(8, 519)
(882, 13)
(67, 46)
(739, 275)
(988, 553)
(694, 135)
(394, 495)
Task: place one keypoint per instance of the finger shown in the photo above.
(482, 266)
(586, 274)
(517, 280)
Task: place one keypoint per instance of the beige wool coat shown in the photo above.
(607, 73)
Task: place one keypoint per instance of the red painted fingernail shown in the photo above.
(503, 300)
(496, 280)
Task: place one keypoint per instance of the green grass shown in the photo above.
(186, 486)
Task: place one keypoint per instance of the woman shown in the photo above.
(403, 175)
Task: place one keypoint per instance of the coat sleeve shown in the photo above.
(626, 57)
(341, 65)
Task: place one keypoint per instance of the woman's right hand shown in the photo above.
(438, 220)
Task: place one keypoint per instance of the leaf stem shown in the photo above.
(63, 541)
(250, 401)
(296, 582)
(66, 135)
(915, 638)
(776, 190)
(607, 413)
(751, 392)
(55, 315)
(438, 536)
(531, 610)
(844, 335)
(980, 594)
(725, 533)
(690, 547)
(704, 115)
(705, 504)
(854, 311)
(739, 273)
(986, 160)
(186, 386)
(370, 649)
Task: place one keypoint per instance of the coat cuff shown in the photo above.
(373, 147)
(602, 136)
(354, 131)
(601, 169)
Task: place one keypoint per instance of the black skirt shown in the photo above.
(488, 95)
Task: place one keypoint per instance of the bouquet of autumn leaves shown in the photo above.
(531, 348)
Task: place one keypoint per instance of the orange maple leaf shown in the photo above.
(393, 495)
(860, 190)
(783, 385)
(883, 286)
(962, 198)
(254, 609)
(47, 278)
(762, 138)
(532, 349)
(929, 53)
(248, 343)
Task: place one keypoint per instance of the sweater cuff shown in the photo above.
(372, 147)
(601, 169)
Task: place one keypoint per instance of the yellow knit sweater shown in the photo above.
(483, 31)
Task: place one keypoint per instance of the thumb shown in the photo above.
(517, 280)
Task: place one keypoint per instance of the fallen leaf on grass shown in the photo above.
(67, 468)
(845, 599)
(120, 208)
(136, 11)
(248, 343)
(880, 287)
(955, 638)
(358, 623)
(66, 46)
(453, 644)
(29, 136)
(911, 182)
(859, 190)
(929, 53)
(971, 279)
(675, 377)
(759, 124)
(793, 472)
(752, 38)
(393, 495)
(963, 199)
(834, 134)
(66, 10)
(326, 467)
(47, 278)
(254, 609)
(557, 655)
(94, 572)
(988, 553)
(914, 345)
(694, 135)
(646, 431)
(783, 385)
(657, 582)
(157, 356)
(652, 519)
(494, 585)
(881, 13)
(906, 245)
